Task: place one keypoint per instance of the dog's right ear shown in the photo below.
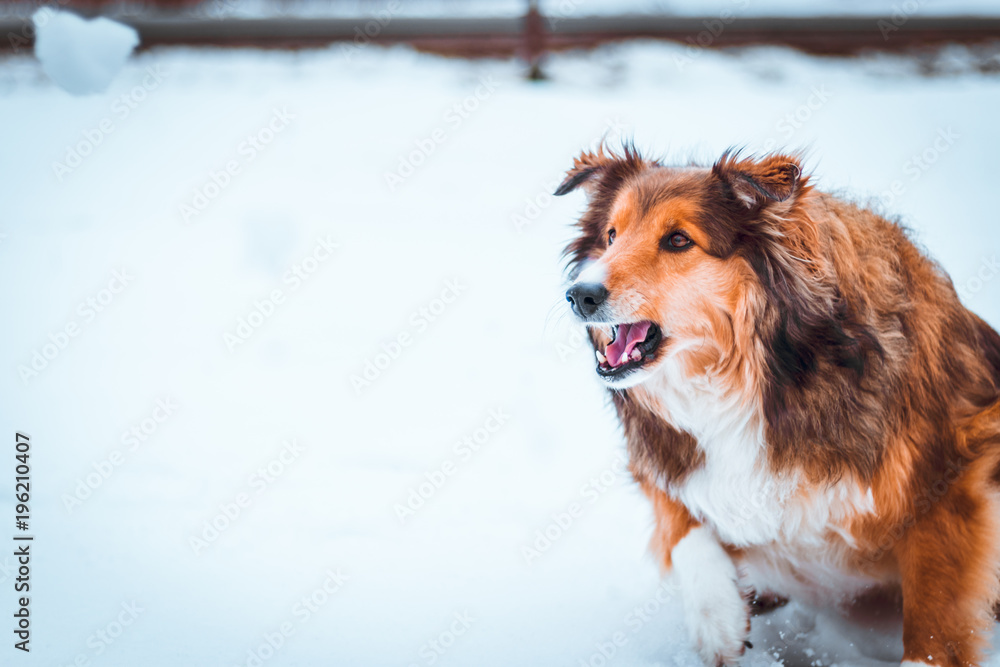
(591, 169)
(586, 169)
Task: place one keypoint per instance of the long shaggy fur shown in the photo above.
(865, 398)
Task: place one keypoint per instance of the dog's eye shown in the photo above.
(675, 241)
(611, 236)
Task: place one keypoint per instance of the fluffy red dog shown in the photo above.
(807, 405)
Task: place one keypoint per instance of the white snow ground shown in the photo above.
(503, 343)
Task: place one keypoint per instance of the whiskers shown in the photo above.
(559, 320)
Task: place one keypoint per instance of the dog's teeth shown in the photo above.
(636, 354)
(601, 359)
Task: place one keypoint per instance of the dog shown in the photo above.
(806, 403)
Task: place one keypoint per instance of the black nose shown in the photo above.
(586, 297)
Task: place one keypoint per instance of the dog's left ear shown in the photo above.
(757, 183)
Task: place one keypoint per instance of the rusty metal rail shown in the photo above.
(471, 37)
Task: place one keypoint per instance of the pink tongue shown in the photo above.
(629, 335)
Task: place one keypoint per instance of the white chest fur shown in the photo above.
(735, 492)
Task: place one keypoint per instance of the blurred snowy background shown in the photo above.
(515, 8)
(288, 333)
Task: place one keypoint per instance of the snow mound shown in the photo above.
(81, 56)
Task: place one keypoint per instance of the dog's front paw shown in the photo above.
(716, 612)
(718, 621)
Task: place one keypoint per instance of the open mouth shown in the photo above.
(634, 345)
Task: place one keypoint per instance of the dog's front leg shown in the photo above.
(716, 613)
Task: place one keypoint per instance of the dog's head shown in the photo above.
(674, 259)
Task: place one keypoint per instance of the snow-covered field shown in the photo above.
(288, 335)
